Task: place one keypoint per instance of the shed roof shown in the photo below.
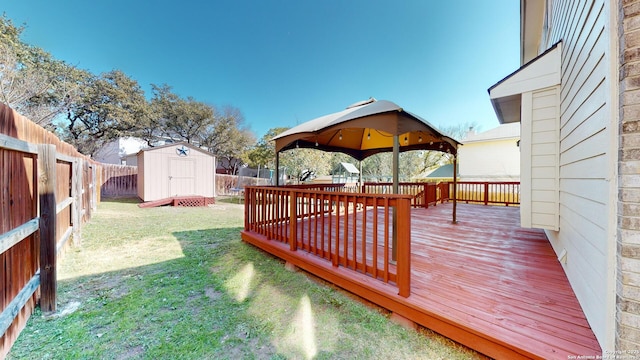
(185, 144)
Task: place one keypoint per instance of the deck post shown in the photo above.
(248, 204)
(486, 193)
(425, 196)
(403, 208)
(293, 221)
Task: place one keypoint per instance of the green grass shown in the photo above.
(178, 283)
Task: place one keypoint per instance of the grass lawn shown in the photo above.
(178, 283)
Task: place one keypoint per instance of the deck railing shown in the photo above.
(350, 230)
(422, 194)
(488, 193)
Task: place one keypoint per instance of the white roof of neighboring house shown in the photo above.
(350, 168)
(505, 131)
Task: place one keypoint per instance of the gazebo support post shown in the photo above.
(277, 168)
(394, 190)
(455, 186)
(361, 183)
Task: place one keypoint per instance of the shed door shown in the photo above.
(182, 176)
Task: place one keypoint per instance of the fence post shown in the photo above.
(403, 209)
(76, 194)
(293, 221)
(47, 196)
(94, 188)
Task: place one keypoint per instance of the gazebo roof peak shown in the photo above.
(366, 128)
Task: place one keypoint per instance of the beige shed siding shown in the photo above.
(165, 174)
(585, 159)
(141, 177)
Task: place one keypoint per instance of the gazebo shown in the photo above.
(367, 128)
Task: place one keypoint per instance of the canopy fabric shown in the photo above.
(364, 129)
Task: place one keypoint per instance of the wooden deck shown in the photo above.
(484, 282)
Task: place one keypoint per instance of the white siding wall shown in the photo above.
(491, 160)
(585, 158)
(539, 146)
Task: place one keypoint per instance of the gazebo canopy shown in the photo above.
(364, 129)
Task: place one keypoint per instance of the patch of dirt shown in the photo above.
(212, 294)
(69, 309)
(250, 347)
(131, 353)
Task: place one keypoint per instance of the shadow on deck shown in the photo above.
(483, 282)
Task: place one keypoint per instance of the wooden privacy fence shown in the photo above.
(47, 190)
(119, 180)
(350, 230)
(231, 184)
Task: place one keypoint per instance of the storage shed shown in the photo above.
(175, 170)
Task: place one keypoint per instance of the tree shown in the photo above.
(264, 152)
(434, 159)
(31, 81)
(152, 128)
(188, 120)
(109, 106)
(297, 161)
(228, 137)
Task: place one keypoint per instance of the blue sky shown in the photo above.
(288, 61)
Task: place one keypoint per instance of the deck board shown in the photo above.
(484, 282)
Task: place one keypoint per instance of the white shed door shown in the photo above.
(182, 176)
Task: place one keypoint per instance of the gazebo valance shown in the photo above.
(364, 129)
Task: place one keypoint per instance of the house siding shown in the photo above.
(586, 161)
(628, 244)
(539, 151)
(544, 158)
(490, 160)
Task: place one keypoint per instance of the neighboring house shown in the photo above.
(345, 173)
(116, 151)
(492, 155)
(177, 169)
(577, 99)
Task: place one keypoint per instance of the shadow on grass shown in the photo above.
(123, 200)
(216, 298)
